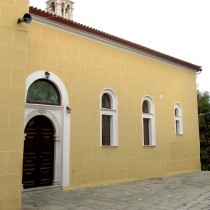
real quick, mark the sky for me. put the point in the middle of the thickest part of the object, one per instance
(179, 28)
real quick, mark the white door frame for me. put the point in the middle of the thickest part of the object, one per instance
(60, 119)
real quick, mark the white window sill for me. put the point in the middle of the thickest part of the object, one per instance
(149, 145)
(108, 146)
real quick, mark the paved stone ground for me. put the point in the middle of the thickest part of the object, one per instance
(181, 192)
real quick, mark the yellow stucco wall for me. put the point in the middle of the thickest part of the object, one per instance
(86, 68)
(13, 42)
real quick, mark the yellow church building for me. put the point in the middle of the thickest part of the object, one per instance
(81, 107)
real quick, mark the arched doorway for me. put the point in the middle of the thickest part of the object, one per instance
(47, 96)
(38, 158)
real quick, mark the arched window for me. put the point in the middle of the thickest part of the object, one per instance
(108, 118)
(148, 121)
(62, 10)
(43, 92)
(67, 11)
(52, 6)
(178, 119)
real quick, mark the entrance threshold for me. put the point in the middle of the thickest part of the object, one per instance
(43, 188)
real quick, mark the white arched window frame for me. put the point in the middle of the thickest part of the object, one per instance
(148, 122)
(111, 115)
(178, 119)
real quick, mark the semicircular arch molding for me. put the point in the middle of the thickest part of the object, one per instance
(52, 78)
(49, 115)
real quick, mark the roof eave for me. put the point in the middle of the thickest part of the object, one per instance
(110, 37)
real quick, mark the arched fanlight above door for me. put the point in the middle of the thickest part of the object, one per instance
(43, 92)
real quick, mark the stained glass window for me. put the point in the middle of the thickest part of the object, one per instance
(43, 92)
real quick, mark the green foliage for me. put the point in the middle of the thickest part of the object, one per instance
(204, 128)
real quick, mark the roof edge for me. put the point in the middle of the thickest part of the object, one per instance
(110, 37)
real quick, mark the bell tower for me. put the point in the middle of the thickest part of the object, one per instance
(63, 8)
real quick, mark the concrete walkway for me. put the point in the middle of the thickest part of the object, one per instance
(181, 192)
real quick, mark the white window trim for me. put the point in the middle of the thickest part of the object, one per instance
(114, 118)
(178, 118)
(151, 116)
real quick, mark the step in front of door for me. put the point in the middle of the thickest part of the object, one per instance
(45, 188)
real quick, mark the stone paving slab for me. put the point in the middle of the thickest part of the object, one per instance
(181, 192)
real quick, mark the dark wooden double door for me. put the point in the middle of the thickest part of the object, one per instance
(38, 158)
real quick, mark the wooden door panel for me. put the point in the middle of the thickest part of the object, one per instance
(38, 159)
(47, 143)
(30, 144)
(46, 175)
(29, 177)
(30, 159)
